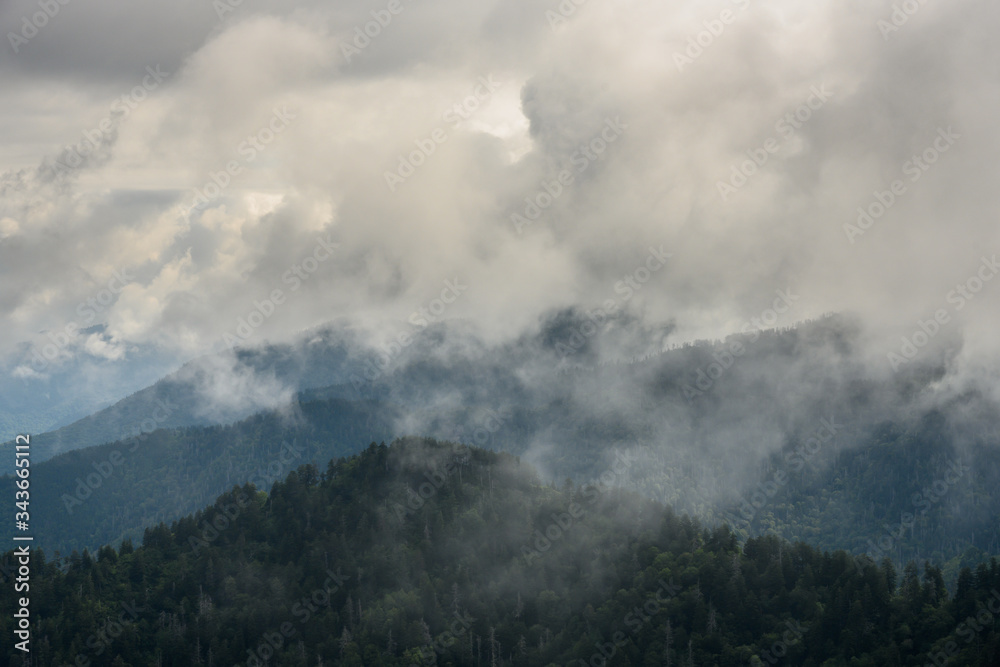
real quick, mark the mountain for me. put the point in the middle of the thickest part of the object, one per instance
(215, 389)
(738, 447)
(906, 493)
(432, 553)
(101, 495)
(47, 387)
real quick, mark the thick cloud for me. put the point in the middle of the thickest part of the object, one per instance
(289, 127)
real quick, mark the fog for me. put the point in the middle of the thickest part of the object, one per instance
(679, 168)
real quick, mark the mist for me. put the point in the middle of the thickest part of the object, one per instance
(526, 215)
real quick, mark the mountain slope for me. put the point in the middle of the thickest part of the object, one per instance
(423, 553)
(100, 495)
(706, 453)
(214, 389)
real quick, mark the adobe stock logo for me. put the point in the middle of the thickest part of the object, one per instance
(723, 359)
(587, 153)
(248, 149)
(575, 513)
(88, 311)
(786, 126)
(796, 460)
(566, 9)
(74, 156)
(408, 164)
(704, 39)
(779, 649)
(363, 35)
(923, 500)
(901, 14)
(627, 287)
(960, 296)
(915, 168)
(385, 354)
(38, 20)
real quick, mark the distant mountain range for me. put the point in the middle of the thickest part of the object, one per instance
(215, 389)
(786, 431)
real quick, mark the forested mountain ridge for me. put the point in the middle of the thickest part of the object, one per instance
(446, 366)
(907, 493)
(215, 389)
(101, 495)
(831, 499)
(432, 553)
(712, 450)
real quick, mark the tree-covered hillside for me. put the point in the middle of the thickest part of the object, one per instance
(424, 553)
(739, 446)
(214, 389)
(903, 493)
(101, 495)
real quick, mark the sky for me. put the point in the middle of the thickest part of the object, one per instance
(169, 171)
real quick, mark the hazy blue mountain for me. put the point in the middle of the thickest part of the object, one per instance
(214, 389)
(757, 430)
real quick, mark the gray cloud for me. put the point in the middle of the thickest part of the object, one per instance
(323, 176)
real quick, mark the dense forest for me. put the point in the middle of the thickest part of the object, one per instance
(429, 553)
(892, 492)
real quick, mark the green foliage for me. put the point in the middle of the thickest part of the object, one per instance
(903, 494)
(426, 553)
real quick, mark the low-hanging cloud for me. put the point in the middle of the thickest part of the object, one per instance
(887, 98)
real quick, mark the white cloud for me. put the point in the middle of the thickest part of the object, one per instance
(325, 173)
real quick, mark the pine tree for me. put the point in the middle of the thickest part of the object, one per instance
(345, 639)
(668, 642)
(390, 646)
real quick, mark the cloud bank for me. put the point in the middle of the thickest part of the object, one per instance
(840, 152)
